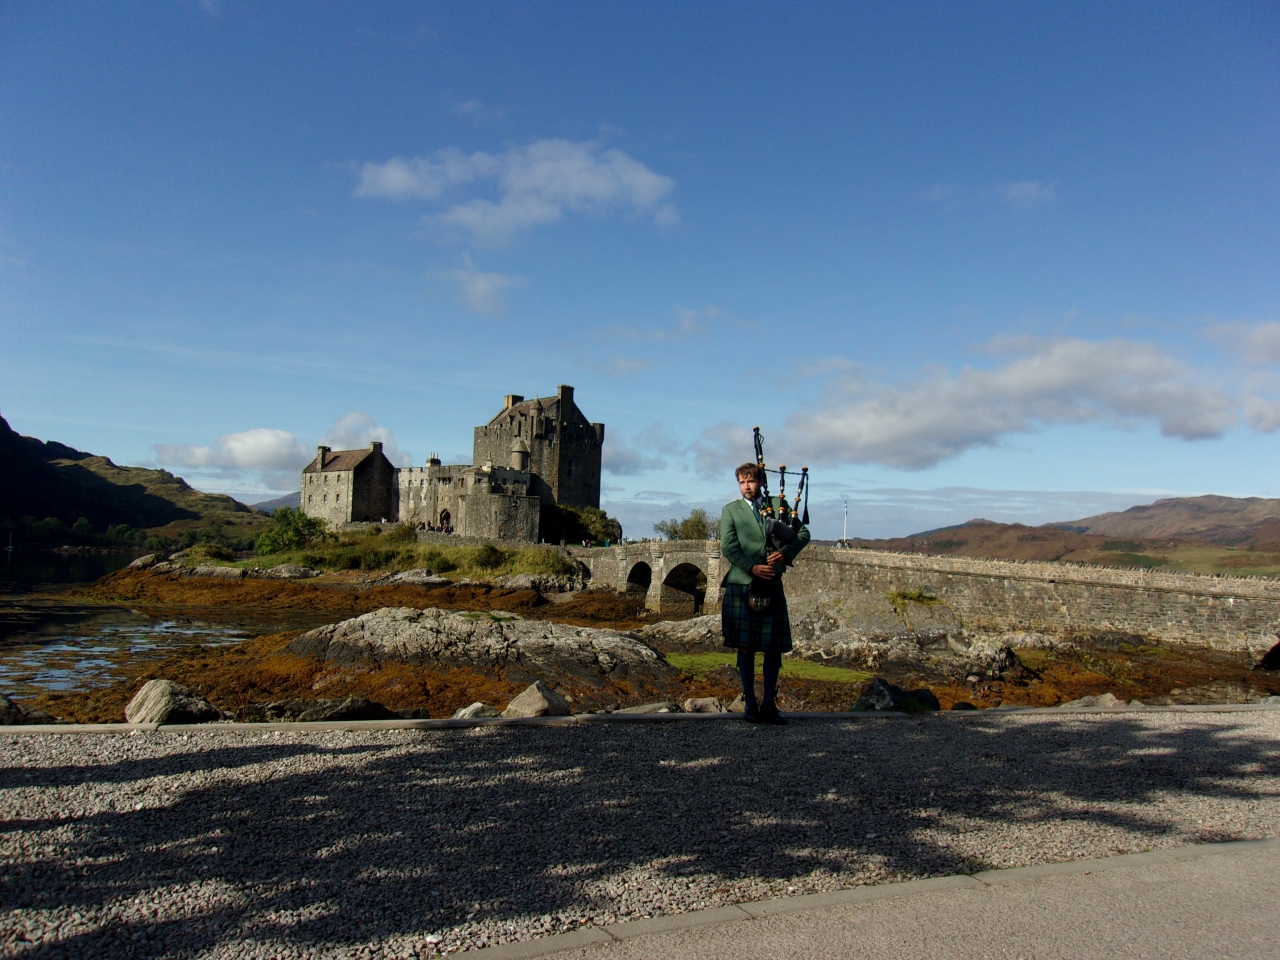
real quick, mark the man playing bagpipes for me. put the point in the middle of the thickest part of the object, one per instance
(760, 535)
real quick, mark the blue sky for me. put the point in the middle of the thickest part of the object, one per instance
(1008, 260)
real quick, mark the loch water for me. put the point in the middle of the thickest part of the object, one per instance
(50, 641)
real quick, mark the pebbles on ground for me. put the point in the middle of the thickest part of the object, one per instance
(412, 843)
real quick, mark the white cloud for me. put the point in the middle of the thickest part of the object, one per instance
(1256, 344)
(1262, 414)
(1027, 194)
(356, 430)
(258, 449)
(263, 460)
(482, 292)
(478, 111)
(653, 448)
(1060, 381)
(535, 184)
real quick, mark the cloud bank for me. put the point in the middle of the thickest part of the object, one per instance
(529, 186)
(264, 459)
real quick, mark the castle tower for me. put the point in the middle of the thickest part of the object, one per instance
(555, 441)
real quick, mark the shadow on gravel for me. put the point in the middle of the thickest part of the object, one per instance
(321, 845)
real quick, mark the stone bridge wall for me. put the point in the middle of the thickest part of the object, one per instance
(1225, 613)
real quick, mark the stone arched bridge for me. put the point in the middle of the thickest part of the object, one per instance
(1227, 613)
(675, 576)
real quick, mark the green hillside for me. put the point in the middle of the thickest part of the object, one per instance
(50, 492)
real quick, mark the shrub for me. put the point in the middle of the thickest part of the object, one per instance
(488, 557)
(204, 552)
(403, 533)
(290, 530)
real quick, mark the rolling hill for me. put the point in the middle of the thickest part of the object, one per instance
(51, 480)
(1229, 521)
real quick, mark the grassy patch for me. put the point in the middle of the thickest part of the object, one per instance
(700, 664)
(900, 599)
(398, 549)
(1131, 560)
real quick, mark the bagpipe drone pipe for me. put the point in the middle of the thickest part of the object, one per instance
(781, 524)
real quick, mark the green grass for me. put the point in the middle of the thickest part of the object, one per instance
(394, 551)
(700, 664)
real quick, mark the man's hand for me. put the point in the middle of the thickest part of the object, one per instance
(769, 569)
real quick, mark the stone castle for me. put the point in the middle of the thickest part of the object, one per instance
(533, 453)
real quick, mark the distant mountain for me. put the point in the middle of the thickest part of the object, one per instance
(41, 480)
(1224, 520)
(291, 500)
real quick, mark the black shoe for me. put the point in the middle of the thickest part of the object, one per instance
(751, 714)
(769, 714)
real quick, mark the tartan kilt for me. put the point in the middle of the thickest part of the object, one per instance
(743, 630)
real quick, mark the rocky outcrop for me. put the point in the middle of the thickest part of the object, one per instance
(418, 576)
(543, 583)
(315, 711)
(665, 706)
(880, 695)
(537, 700)
(516, 647)
(703, 705)
(144, 562)
(166, 702)
(476, 711)
(696, 635)
(14, 714)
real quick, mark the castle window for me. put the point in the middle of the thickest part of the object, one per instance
(310, 498)
(324, 498)
(570, 471)
(337, 498)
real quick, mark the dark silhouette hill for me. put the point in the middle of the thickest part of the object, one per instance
(49, 479)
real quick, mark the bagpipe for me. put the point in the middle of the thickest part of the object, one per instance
(783, 523)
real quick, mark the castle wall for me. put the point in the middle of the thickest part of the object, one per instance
(498, 516)
(373, 490)
(327, 496)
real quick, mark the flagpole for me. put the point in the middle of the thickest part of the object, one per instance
(846, 518)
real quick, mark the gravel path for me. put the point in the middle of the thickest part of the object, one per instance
(409, 843)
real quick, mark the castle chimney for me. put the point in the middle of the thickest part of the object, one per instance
(510, 400)
(376, 446)
(321, 453)
(565, 393)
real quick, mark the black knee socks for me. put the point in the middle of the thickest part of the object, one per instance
(747, 670)
(772, 664)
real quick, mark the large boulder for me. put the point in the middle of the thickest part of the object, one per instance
(882, 695)
(518, 649)
(1107, 701)
(218, 573)
(166, 702)
(315, 711)
(291, 571)
(537, 700)
(145, 561)
(542, 582)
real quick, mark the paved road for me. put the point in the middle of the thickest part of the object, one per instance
(1217, 900)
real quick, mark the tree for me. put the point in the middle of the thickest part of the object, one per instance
(575, 524)
(290, 530)
(698, 525)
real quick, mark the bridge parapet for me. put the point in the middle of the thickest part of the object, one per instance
(1227, 613)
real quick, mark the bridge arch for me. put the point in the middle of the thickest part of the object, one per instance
(639, 578)
(684, 589)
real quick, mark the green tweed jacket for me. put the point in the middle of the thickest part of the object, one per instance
(742, 540)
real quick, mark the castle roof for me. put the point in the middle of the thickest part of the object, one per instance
(549, 407)
(338, 460)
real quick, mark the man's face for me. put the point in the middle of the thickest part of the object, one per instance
(749, 486)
